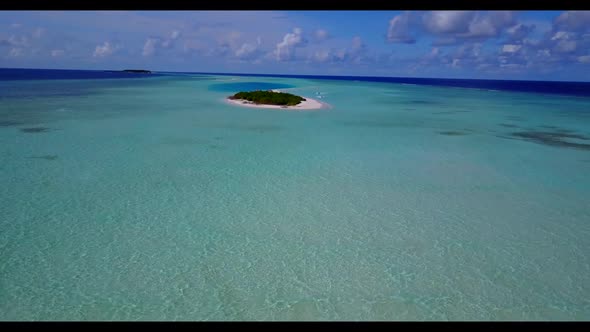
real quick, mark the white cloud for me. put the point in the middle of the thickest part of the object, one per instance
(15, 25)
(321, 34)
(519, 31)
(357, 43)
(452, 26)
(321, 55)
(399, 29)
(510, 48)
(574, 21)
(104, 50)
(247, 50)
(559, 35)
(230, 39)
(448, 21)
(285, 49)
(584, 59)
(149, 48)
(356, 53)
(57, 53)
(152, 44)
(169, 42)
(21, 41)
(15, 52)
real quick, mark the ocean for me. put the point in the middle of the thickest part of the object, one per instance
(148, 197)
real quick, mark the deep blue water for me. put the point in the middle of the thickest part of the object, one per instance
(544, 87)
(245, 86)
(15, 74)
(553, 87)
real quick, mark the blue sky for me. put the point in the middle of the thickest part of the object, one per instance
(537, 45)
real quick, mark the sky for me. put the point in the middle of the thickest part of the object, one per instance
(530, 45)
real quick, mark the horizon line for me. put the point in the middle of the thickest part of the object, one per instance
(304, 75)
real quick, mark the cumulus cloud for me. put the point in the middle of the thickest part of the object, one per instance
(357, 44)
(149, 47)
(321, 34)
(356, 53)
(286, 48)
(21, 41)
(249, 50)
(321, 55)
(399, 29)
(15, 52)
(511, 48)
(434, 52)
(456, 26)
(573, 21)
(104, 50)
(518, 32)
(446, 22)
(169, 42)
(153, 44)
(566, 40)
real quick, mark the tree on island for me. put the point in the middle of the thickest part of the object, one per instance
(269, 98)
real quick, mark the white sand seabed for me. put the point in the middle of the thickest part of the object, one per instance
(307, 104)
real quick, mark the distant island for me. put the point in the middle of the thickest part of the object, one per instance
(269, 98)
(135, 71)
(274, 99)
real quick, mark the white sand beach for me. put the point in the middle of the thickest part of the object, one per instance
(308, 104)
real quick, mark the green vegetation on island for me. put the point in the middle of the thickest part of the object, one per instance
(137, 71)
(269, 98)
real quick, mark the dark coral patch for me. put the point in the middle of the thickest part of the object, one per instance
(555, 138)
(35, 130)
(452, 133)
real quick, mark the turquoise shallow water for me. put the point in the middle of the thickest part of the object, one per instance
(153, 199)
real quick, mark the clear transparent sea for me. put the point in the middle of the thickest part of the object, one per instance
(153, 199)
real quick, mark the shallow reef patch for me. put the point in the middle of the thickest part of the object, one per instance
(35, 130)
(45, 157)
(183, 141)
(557, 138)
(515, 118)
(453, 133)
(450, 112)
(10, 123)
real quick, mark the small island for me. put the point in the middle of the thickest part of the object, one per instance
(274, 99)
(269, 98)
(132, 71)
(137, 71)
